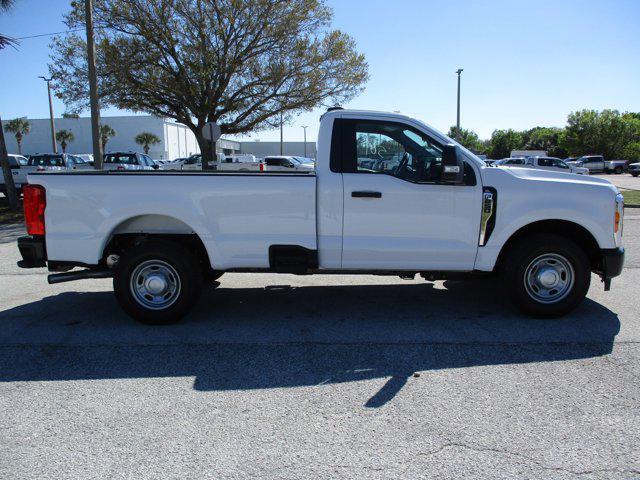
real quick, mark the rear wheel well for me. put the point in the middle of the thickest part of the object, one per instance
(124, 241)
(574, 232)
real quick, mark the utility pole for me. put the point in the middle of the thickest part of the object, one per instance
(53, 125)
(459, 71)
(305, 140)
(281, 137)
(93, 87)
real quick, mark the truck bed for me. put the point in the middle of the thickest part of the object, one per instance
(238, 216)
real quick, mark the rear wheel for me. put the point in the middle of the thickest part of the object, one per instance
(157, 282)
(635, 174)
(547, 275)
(618, 170)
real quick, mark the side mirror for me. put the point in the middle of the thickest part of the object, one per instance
(452, 166)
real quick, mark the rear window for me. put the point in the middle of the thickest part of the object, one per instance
(120, 159)
(13, 161)
(46, 161)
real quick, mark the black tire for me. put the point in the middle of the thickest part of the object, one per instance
(618, 170)
(635, 174)
(174, 266)
(540, 252)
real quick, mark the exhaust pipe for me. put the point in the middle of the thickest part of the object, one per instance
(81, 275)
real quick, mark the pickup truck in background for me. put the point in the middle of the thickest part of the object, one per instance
(286, 164)
(597, 164)
(240, 163)
(389, 195)
(543, 163)
(16, 162)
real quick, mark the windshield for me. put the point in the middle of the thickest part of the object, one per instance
(120, 158)
(46, 161)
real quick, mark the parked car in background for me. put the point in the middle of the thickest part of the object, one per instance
(87, 157)
(43, 162)
(286, 164)
(128, 161)
(597, 164)
(634, 169)
(19, 173)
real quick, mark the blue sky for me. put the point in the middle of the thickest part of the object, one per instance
(526, 63)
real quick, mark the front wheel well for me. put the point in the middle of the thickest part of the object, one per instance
(574, 232)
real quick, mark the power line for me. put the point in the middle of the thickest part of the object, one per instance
(50, 34)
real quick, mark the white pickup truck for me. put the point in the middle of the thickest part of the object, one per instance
(430, 208)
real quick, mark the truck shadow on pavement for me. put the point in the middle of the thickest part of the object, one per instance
(281, 336)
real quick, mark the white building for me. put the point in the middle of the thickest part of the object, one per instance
(176, 140)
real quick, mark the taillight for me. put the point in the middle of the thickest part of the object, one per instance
(120, 167)
(34, 204)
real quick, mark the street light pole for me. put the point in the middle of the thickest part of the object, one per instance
(53, 125)
(281, 136)
(93, 87)
(305, 140)
(459, 71)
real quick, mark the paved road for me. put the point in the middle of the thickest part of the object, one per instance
(319, 377)
(624, 180)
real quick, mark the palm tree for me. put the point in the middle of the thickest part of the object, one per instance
(5, 5)
(19, 127)
(145, 139)
(106, 132)
(65, 137)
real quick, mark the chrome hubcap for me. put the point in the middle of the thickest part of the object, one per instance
(549, 278)
(155, 284)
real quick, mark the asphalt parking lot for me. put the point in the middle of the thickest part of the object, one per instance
(280, 376)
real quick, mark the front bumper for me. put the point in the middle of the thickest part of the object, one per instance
(33, 251)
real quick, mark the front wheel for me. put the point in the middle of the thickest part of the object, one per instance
(547, 275)
(635, 174)
(618, 170)
(157, 282)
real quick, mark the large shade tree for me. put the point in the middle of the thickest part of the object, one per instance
(240, 63)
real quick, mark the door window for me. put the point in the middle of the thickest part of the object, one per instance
(395, 149)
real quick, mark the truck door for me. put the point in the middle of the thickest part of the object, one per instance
(397, 213)
(594, 164)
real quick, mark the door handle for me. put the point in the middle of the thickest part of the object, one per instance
(366, 194)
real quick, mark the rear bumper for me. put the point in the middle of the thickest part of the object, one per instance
(612, 262)
(33, 251)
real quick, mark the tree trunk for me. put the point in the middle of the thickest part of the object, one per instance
(64, 147)
(207, 149)
(146, 149)
(6, 172)
(19, 142)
